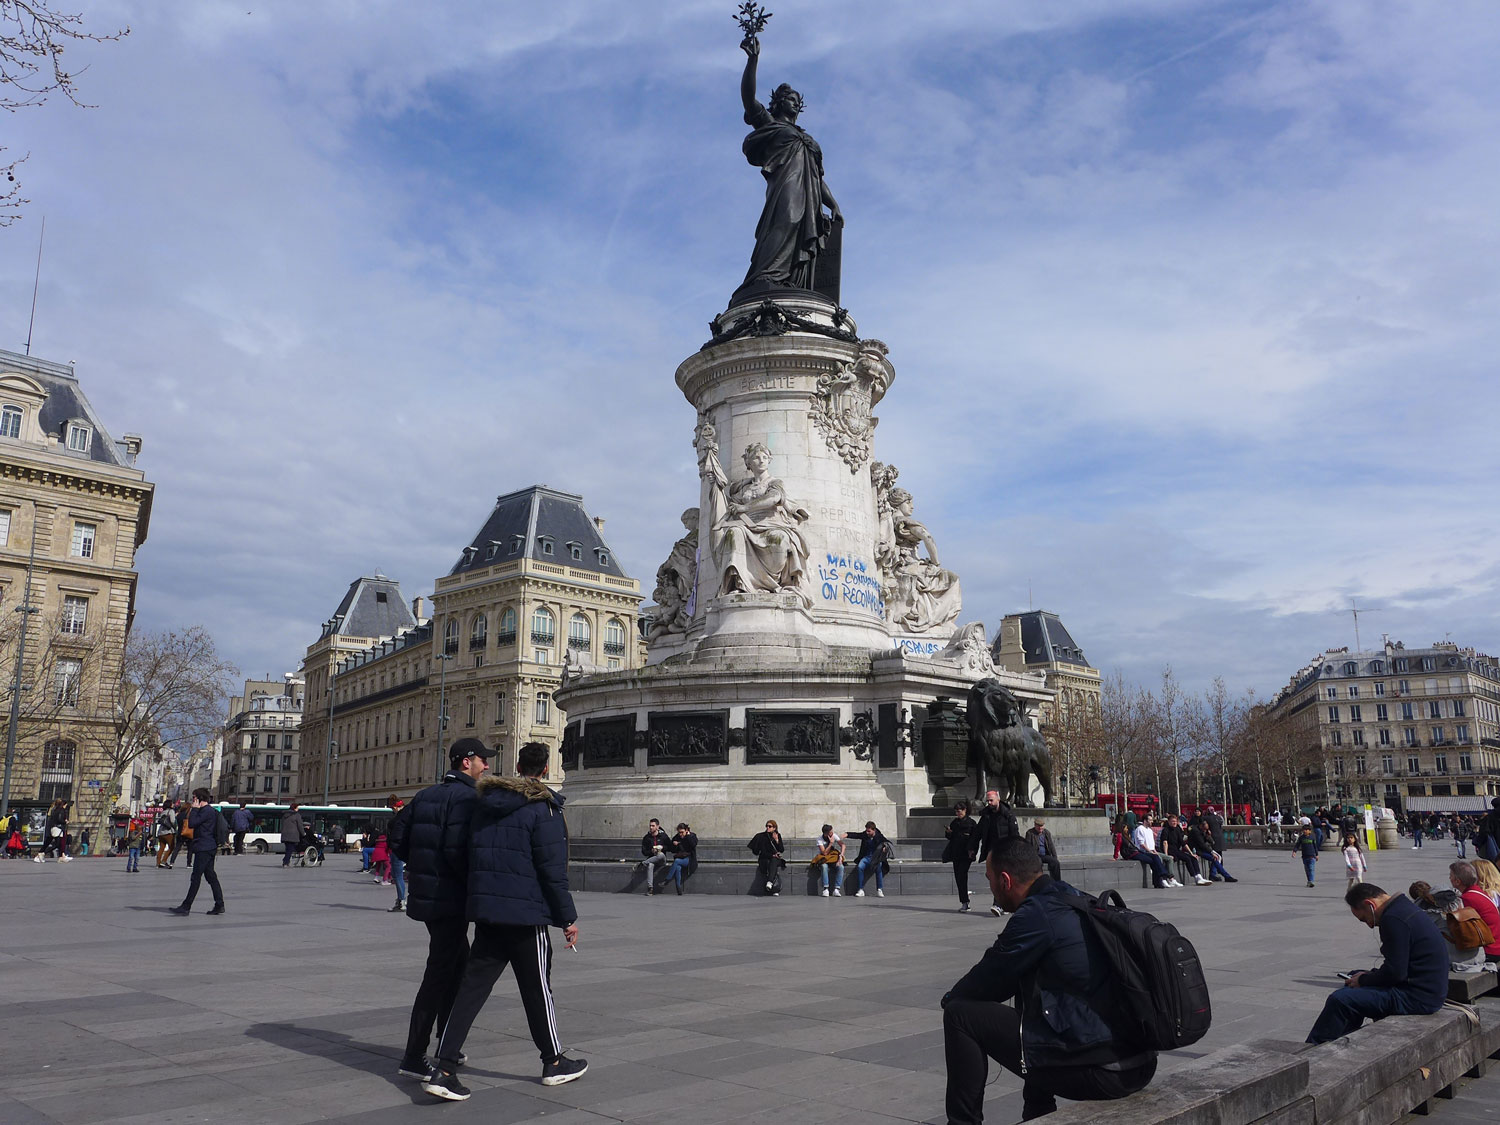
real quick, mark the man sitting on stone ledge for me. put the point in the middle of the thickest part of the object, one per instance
(1412, 981)
(1057, 1038)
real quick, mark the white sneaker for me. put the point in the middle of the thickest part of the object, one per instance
(879, 893)
(825, 892)
(39, 859)
(859, 893)
(837, 893)
(997, 912)
(64, 859)
(768, 886)
(1201, 881)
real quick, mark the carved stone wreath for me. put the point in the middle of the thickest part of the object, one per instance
(770, 319)
(841, 410)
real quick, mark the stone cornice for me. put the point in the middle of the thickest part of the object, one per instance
(72, 479)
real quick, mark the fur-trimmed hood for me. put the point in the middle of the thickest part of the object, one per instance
(507, 794)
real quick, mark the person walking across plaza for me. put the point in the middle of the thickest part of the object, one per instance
(398, 865)
(960, 848)
(1057, 1038)
(209, 829)
(767, 847)
(179, 841)
(1411, 981)
(1306, 847)
(166, 833)
(432, 835)
(240, 823)
(291, 833)
(133, 836)
(517, 888)
(996, 825)
(1487, 833)
(1354, 860)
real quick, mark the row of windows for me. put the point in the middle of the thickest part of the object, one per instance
(543, 631)
(286, 762)
(1413, 764)
(1399, 664)
(79, 437)
(80, 547)
(252, 742)
(544, 545)
(267, 785)
(1403, 687)
(1436, 709)
(1461, 733)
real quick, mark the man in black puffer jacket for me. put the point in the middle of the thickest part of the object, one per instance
(431, 835)
(1058, 1037)
(518, 886)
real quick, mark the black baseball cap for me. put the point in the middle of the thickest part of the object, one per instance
(467, 748)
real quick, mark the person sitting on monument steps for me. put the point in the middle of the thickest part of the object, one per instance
(996, 825)
(1174, 842)
(1140, 845)
(1046, 848)
(656, 846)
(1200, 838)
(1057, 1038)
(767, 848)
(1412, 980)
(830, 860)
(1463, 879)
(684, 855)
(874, 851)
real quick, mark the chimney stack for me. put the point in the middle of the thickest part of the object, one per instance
(417, 606)
(599, 523)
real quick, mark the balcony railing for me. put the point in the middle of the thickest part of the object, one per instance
(614, 648)
(543, 638)
(476, 643)
(504, 639)
(578, 642)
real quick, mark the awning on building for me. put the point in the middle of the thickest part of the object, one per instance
(1477, 805)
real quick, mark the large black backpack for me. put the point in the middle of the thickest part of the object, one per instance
(1158, 978)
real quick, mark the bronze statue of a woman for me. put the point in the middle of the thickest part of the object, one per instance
(793, 230)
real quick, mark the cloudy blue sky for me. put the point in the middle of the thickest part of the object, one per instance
(1193, 305)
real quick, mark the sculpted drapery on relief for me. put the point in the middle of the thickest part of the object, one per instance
(846, 396)
(676, 583)
(754, 536)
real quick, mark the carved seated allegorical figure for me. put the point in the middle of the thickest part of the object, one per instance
(757, 544)
(676, 581)
(923, 596)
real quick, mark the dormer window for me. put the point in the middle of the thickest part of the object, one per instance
(575, 552)
(489, 552)
(516, 543)
(603, 556)
(546, 544)
(10, 421)
(79, 437)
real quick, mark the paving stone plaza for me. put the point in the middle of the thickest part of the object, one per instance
(699, 1009)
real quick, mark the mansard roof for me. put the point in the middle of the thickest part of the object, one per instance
(373, 607)
(65, 402)
(541, 524)
(1046, 640)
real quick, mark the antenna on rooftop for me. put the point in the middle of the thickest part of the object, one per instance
(1356, 611)
(1028, 594)
(36, 283)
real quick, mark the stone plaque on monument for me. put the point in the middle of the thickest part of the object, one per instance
(687, 738)
(609, 742)
(569, 750)
(791, 736)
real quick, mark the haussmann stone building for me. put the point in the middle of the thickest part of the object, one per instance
(73, 495)
(536, 595)
(1412, 729)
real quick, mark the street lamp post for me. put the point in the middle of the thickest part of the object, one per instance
(443, 658)
(25, 609)
(329, 744)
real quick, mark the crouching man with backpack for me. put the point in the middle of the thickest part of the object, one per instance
(1059, 1036)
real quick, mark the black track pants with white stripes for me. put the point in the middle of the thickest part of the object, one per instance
(528, 950)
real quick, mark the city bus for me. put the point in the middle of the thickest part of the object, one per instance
(265, 832)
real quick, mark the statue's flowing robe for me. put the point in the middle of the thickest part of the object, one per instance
(765, 552)
(789, 234)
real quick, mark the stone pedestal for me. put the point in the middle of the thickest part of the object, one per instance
(777, 687)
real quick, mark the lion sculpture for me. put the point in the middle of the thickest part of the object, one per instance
(1003, 745)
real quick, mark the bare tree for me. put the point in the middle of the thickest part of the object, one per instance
(170, 691)
(1126, 731)
(33, 37)
(1172, 731)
